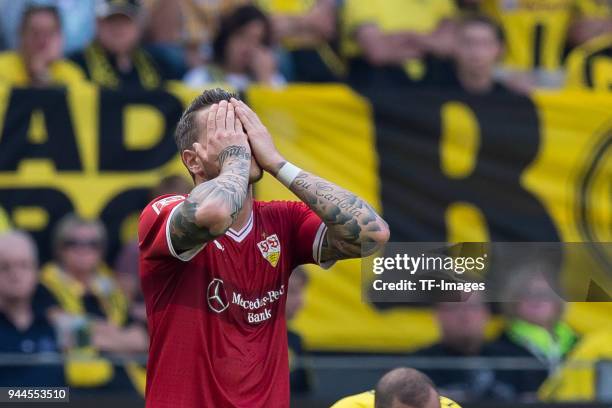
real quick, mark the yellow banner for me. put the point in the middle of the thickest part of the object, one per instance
(98, 152)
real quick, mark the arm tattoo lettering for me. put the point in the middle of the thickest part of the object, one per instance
(351, 222)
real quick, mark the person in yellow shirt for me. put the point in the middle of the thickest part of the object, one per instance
(38, 62)
(306, 29)
(389, 41)
(537, 33)
(399, 388)
(93, 312)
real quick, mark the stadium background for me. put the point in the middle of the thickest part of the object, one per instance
(442, 165)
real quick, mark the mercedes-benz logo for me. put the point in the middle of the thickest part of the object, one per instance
(216, 296)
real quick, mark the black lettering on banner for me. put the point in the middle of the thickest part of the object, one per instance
(59, 144)
(113, 154)
(53, 202)
(416, 193)
(124, 204)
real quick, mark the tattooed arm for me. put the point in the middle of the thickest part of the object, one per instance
(354, 229)
(212, 206)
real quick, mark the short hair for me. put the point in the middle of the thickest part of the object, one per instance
(72, 221)
(186, 133)
(407, 385)
(475, 18)
(235, 21)
(171, 184)
(300, 273)
(20, 235)
(32, 9)
(523, 274)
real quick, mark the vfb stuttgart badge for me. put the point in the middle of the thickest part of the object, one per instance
(270, 248)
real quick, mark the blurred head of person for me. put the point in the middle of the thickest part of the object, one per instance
(18, 267)
(41, 39)
(79, 246)
(479, 46)
(534, 296)
(191, 128)
(118, 25)
(406, 388)
(295, 292)
(172, 184)
(463, 324)
(242, 36)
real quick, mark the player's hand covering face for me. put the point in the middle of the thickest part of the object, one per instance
(262, 146)
(223, 130)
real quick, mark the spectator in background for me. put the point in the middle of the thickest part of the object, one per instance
(242, 52)
(589, 66)
(534, 328)
(93, 313)
(462, 328)
(390, 42)
(24, 324)
(479, 46)
(126, 264)
(38, 61)
(192, 24)
(78, 21)
(116, 59)
(307, 30)
(84, 287)
(299, 377)
(536, 35)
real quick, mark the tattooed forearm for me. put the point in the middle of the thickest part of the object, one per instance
(213, 205)
(354, 228)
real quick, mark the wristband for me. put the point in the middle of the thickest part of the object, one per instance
(287, 174)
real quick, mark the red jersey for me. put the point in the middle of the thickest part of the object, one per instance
(216, 313)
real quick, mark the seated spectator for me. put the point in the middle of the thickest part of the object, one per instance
(38, 61)
(299, 376)
(479, 45)
(534, 328)
(536, 34)
(24, 324)
(242, 53)
(186, 27)
(462, 330)
(126, 265)
(93, 315)
(116, 59)
(78, 20)
(589, 66)
(307, 30)
(390, 42)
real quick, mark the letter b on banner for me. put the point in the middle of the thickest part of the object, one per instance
(455, 157)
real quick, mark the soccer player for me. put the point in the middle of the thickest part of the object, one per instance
(399, 388)
(214, 264)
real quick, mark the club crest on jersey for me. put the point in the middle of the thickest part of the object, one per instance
(159, 205)
(270, 249)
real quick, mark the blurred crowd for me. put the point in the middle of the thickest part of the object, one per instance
(92, 313)
(92, 317)
(478, 46)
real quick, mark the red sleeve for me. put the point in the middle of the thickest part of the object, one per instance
(154, 232)
(308, 235)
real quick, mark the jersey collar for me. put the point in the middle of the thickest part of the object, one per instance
(239, 236)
